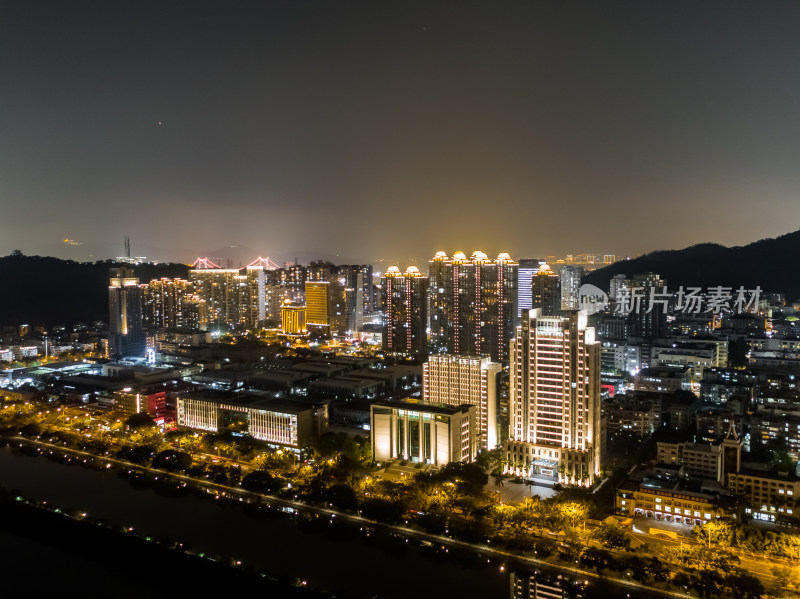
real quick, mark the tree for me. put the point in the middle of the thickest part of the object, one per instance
(172, 460)
(611, 537)
(743, 585)
(343, 497)
(714, 531)
(140, 421)
(141, 454)
(259, 481)
(574, 512)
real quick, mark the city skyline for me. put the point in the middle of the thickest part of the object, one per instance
(291, 128)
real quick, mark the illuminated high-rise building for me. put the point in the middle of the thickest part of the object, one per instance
(473, 304)
(405, 297)
(546, 291)
(235, 298)
(256, 309)
(437, 301)
(292, 279)
(317, 316)
(570, 283)
(172, 304)
(554, 403)
(125, 328)
(527, 268)
(359, 278)
(458, 380)
(222, 290)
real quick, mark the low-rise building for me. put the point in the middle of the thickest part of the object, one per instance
(663, 378)
(280, 422)
(344, 387)
(700, 460)
(770, 497)
(777, 423)
(433, 434)
(637, 415)
(670, 504)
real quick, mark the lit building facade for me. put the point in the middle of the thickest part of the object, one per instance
(473, 304)
(554, 403)
(570, 283)
(317, 317)
(126, 328)
(293, 319)
(220, 288)
(286, 423)
(405, 297)
(527, 268)
(172, 304)
(423, 433)
(459, 380)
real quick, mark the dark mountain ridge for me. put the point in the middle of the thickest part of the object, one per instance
(773, 264)
(41, 290)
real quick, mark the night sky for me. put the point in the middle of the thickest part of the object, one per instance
(389, 130)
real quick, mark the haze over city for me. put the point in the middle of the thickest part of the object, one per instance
(375, 131)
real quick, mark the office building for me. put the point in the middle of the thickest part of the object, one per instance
(425, 433)
(279, 422)
(317, 318)
(458, 380)
(125, 327)
(405, 297)
(473, 302)
(554, 403)
(293, 319)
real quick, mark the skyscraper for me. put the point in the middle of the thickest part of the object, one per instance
(255, 312)
(317, 316)
(554, 404)
(172, 304)
(437, 302)
(570, 283)
(359, 278)
(125, 329)
(646, 322)
(546, 291)
(222, 290)
(473, 304)
(405, 297)
(527, 268)
(458, 380)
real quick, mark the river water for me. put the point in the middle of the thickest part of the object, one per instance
(326, 557)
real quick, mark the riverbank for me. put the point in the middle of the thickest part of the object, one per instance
(442, 546)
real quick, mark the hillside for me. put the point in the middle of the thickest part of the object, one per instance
(774, 264)
(42, 290)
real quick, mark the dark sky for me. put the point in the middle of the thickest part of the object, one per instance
(389, 130)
